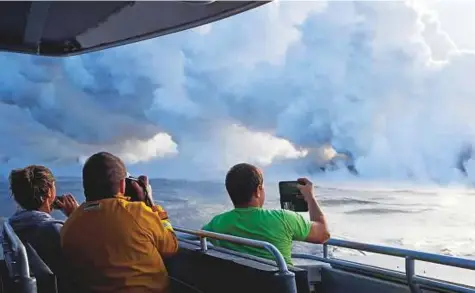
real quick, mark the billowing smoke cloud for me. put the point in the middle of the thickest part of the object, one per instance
(382, 80)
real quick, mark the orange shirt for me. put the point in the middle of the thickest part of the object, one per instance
(114, 245)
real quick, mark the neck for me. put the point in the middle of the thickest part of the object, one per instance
(94, 198)
(248, 205)
(45, 208)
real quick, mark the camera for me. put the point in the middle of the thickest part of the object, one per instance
(131, 192)
(291, 198)
(55, 205)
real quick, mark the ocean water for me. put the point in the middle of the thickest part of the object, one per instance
(438, 220)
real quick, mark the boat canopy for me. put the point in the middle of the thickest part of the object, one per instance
(65, 28)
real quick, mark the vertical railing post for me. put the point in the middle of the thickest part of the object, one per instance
(203, 244)
(325, 250)
(410, 273)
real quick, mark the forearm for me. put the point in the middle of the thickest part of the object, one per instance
(316, 213)
(319, 232)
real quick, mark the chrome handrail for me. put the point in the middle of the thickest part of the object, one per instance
(409, 255)
(281, 264)
(400, 252)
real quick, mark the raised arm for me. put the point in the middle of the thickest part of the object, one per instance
(319, 232)
(156, 222)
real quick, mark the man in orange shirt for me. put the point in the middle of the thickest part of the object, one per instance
(112, 244)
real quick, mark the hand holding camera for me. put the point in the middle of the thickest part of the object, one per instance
(305, 187)
(295, 195)
(66, 203)
(139, 189)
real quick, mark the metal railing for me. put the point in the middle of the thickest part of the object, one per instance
(203, 235)
(410, 257)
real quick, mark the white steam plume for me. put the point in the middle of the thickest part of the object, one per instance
(383, 80)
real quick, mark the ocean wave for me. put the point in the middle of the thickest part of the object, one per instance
(381, 211)
(346, 201)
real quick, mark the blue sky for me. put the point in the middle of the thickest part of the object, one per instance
(389, 81)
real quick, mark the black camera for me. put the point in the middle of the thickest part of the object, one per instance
(131, 192)
(291, 198)
(55, 205)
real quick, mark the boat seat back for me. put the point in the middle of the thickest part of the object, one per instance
(18, 279)
(217, 271)
(4, 278)
(45, 278)
(25, 272)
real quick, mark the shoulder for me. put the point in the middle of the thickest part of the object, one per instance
(224, 215)
(135, 208)
(142, 215)
(53, 226)
(289, 218)
(278, 213)
(216, 219)
(47, 233)
(290, 214)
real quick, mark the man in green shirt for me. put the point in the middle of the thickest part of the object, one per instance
(244, 183)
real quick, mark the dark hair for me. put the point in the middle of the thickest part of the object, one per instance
(29, 186)
(242, 181)
(101, 176)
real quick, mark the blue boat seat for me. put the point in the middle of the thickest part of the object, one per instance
(219, 270)
(23, 270)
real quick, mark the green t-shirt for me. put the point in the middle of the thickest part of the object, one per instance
(278, 227)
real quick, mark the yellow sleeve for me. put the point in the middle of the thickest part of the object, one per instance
(163, 217)
(156, 224)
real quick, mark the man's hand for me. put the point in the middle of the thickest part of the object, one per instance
(306, 188)
(67, 204)
(147, 198)
(138, 189)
